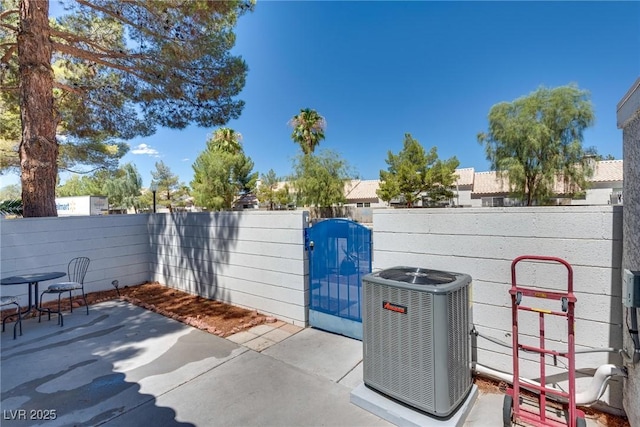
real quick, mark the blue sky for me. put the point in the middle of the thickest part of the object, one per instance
(378, 70)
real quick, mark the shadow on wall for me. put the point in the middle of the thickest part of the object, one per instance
(192, 251)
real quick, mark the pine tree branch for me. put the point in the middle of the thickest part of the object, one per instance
(67, 88)
(8, 27)
(8, 12)
(91, 56)
(75, 38)
(121, 18)
(12, 47)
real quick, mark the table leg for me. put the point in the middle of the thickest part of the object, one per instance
(38, 303)
(30, 306)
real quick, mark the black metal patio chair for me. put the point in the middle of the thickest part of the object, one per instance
(76, 270)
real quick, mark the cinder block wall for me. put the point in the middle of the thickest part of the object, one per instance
(117, 245)
(250, 259)
(483, 243)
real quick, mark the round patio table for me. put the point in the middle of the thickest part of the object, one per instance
(32, 279)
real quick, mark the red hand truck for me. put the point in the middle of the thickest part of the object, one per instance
(513, 410)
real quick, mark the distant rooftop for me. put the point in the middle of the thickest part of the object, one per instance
(608, 170)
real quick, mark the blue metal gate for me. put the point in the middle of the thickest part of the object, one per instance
(339, 255)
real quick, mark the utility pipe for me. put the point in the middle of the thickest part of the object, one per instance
(594, 391)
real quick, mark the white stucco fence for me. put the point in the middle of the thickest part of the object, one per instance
(257, 260)
(483, 243)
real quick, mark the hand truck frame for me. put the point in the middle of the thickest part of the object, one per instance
(513, 409)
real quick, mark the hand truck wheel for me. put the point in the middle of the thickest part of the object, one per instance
(507, 410)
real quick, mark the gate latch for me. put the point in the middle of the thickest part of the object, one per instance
(308, 244)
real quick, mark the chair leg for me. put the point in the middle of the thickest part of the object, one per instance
(84, 297)
(71, 301)
(5, 318)
(40, 309)
(60, 321)
(18, 322)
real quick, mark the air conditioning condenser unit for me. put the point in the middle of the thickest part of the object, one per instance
(416, 337)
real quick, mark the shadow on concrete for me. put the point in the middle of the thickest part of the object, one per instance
(82, 374)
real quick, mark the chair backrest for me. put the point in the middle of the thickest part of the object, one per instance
(77, 269)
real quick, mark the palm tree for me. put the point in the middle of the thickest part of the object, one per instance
(226, 139)
(308, 129)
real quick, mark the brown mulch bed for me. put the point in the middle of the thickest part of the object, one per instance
(212, 316)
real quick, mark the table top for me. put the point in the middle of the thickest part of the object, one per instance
(32, 278)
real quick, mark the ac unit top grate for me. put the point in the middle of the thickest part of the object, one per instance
(418, 276)
(420, 279)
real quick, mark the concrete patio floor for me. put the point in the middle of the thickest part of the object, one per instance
(125, 366)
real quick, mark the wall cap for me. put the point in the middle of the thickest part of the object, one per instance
(629, 105)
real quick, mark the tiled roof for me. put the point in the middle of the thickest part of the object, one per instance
(608, 170)
(361, 189)
(482, 182)
(465, 176)
(489, 183)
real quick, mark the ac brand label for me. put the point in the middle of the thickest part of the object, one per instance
(394, 307)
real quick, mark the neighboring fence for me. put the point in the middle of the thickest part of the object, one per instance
(483, 242)
(362, 215)
(251, 259)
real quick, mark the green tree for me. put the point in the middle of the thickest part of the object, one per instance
(110, 70)
(319, 179)
(227, 139)
(124, 188)
(413, 173)
(221, 176)
(10, 192)
(269, 193)
(169, 187)
(266, 191)
(85, 185)
(536, 140)
(308, 129)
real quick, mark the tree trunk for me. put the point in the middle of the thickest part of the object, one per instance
(38, 148)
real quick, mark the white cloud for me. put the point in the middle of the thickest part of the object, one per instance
(145, 149)
(186, 159)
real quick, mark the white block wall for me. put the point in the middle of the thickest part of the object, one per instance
(117, 245)
(483, 242)
(249, 259)
(254, 260)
